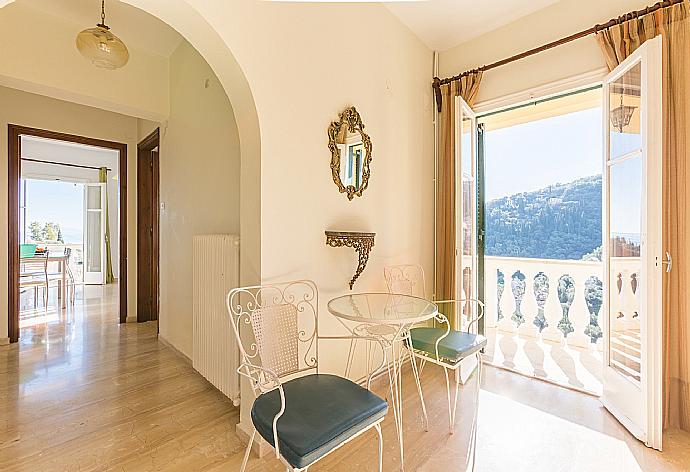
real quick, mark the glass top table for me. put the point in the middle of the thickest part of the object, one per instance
(382, 308)
(387, 318)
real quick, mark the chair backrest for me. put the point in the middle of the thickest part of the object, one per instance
(406, 279)
(284, 327)
(34, 266)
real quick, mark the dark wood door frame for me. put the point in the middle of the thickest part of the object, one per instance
(148, 227)
(14, 167)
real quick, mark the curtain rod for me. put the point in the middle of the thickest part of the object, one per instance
(593, 30)
(65, 164)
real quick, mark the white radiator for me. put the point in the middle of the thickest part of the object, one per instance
(216, 261)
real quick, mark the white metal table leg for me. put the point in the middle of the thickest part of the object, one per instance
(415, 372)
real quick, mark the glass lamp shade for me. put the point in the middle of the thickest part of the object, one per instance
(102, 48)
(621, 116)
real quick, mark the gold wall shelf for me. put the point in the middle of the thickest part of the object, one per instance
(360, 242)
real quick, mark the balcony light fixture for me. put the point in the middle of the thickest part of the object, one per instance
(621, 115)
(101, 47)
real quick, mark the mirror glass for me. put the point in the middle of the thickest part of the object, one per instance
(350, 153)
(351, 158)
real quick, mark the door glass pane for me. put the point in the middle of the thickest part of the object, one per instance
(93, 197)
(625, 235)
(466, 131)
(624, 115)
(93, 240)
(467, 250)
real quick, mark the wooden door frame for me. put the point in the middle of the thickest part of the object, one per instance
(148, 144)
(14, 166)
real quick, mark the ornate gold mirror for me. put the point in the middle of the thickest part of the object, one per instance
(350, 153)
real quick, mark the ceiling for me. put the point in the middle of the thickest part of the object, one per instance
(440, 24)
(136, 28)
(443, 24)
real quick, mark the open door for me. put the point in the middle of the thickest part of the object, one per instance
(94, 234)
(632, 248)
(466, 222)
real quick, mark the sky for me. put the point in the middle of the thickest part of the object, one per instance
(58, 202)
(540, 153)
(561, 149)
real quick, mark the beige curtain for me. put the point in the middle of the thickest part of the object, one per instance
(467, 88)
(109, 277)
(617, 43)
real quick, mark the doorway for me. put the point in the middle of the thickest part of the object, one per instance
(542, 214)
(16, 134)
(148, 216)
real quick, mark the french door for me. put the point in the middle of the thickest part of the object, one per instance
(94, 233)
(466, 264)
(632, 249)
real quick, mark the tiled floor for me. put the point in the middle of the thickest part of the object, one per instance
(93, 395)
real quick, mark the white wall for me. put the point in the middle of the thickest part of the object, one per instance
(26, 109)
(561, 19)
(47, 150)
(200, 183)
(302, 73)
(288, 73)
(38, 55)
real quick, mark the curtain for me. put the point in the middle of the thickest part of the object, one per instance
(467, 88)
(109, 277)
(616, 44)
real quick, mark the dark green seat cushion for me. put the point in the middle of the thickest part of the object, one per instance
(454, 347)
(321, 412)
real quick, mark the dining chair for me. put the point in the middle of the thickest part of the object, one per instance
(70, 275)
(33, 274)
(303, 414)
(439, 344)
(70, 282)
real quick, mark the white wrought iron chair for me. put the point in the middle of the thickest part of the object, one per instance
(439, 344)
(302, 414)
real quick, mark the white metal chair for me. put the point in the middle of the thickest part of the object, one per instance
(302, 414)
(440, 345)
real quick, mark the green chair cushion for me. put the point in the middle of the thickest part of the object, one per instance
(454, 347)
(321, 412)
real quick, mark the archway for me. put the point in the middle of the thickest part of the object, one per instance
(185, 19)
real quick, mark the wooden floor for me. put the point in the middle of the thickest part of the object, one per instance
(93, 395)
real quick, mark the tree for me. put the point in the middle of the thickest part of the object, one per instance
(35, 230)
(50, 232)
(594, 256)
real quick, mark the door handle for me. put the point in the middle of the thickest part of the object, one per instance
(668, 262)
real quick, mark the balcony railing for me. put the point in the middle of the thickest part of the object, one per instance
(554, 300)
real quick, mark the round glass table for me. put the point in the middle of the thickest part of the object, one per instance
(382, 308)
(385, 318)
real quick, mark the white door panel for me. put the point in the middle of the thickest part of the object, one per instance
(632, 243)
(94, 234)
(466, 221)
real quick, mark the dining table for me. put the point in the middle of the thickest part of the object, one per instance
(61, 259)
(386, 318)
